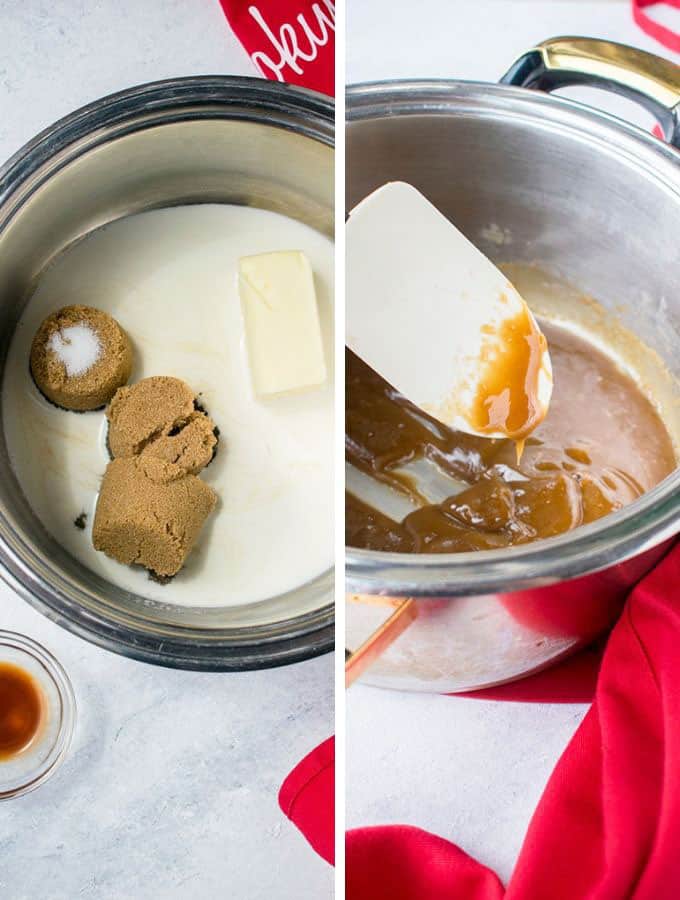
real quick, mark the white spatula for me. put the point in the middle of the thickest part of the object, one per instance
(432, 315)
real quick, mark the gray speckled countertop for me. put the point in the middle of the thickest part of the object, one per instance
(170, 788)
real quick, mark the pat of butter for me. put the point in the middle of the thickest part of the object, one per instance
(283, 334)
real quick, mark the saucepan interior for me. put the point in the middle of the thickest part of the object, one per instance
(190, 140)
(592, 202)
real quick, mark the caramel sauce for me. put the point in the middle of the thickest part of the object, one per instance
(506, 400)
(601, 445)
(21, 710)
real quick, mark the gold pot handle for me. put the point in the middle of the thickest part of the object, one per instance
(647, 79)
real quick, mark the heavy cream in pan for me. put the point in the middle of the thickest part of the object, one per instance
(170, 278)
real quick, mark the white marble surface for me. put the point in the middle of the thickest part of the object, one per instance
(56, 56)
(170, 790)
(469, 770)
(476, 39)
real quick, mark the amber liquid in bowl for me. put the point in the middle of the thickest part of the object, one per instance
(601, 446)
(22, 710)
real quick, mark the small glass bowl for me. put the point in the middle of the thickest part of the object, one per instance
(34, 765)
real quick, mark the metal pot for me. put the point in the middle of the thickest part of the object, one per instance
(587, 197)
(189, 140)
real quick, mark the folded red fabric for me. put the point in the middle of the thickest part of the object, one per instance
(307, 797)
(288, 40)
(405, 863)
(607, 825)
(660, 33)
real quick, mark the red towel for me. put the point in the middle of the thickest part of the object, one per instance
(608, 823)
(660, 33)
(288, 40)
(307, 797)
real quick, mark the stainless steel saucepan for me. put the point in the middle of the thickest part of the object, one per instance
(189, 140)
(589, 199)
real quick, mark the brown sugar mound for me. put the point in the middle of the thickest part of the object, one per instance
(191, 446)
(149, 513)
(158, 417)
(152, 505)
(94, 386)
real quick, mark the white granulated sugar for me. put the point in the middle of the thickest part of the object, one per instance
(77, 346)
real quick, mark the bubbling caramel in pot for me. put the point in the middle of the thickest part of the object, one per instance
(601, 445)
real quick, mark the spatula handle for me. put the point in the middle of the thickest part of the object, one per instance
(405, 611)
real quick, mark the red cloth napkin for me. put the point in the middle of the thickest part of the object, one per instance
(288, 40)
(307, 797)
(608, 824)
(660, 33)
